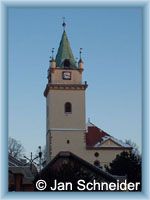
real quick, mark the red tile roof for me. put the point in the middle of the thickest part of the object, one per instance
(94, 135)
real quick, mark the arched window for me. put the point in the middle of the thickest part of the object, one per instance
(68, 107)
(68, 141)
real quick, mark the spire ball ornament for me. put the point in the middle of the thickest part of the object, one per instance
(64, 24)
(52, 53)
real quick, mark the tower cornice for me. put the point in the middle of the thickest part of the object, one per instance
(51, 86)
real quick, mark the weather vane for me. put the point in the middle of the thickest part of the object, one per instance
(64, 24)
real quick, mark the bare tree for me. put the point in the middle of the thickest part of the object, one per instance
(15, 148)
(135, 149)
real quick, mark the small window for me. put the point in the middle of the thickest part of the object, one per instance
(96, 154)
(68, 107)
(68, 141)
(96, 163)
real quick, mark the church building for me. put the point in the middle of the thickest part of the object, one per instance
(66, 127)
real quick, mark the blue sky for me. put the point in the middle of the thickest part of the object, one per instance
(111, 39)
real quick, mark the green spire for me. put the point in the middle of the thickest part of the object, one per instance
(64, 57)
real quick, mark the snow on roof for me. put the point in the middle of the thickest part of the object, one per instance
(89, 124)
(101, 136)
(97, 144)
(121, 143)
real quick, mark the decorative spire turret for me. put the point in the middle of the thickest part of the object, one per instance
(52, 63)
(80, 63)
(52, 54)
(80, 53)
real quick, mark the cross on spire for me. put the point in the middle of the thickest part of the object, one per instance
(64, 24)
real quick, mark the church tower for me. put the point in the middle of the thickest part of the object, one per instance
(65, 102)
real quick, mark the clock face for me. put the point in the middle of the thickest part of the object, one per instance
(66, 75)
